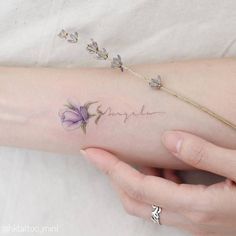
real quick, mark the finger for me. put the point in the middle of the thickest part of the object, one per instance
(150, 170)
(201, 154)
(144, 188)
(143, 210)
(230, 183)
(171, 175)
(226, 184)
(167, 173)
(132, 206)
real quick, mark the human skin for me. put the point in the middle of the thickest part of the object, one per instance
(32, 97)
(198, 209)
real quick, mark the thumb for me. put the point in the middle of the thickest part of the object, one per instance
(201, 154)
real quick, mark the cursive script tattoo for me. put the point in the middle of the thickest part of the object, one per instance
(128, 115)
(75, 116)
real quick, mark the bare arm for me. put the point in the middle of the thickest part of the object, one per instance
(136, 115)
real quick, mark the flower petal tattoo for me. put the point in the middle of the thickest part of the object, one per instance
(75, 116)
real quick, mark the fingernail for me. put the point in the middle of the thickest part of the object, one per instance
(172, 141)
(83, 152)
(95, 157)
(90, 157)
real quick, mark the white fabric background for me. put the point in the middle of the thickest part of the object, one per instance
(41, 189)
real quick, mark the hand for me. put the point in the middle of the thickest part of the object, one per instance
(199, 209)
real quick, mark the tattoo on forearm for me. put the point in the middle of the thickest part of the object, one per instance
(77, 116)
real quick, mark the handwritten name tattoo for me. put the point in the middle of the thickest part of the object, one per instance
(75, 116)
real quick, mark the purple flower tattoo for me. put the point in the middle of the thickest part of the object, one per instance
(77, 116)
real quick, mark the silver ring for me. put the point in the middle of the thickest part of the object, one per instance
(156, 213)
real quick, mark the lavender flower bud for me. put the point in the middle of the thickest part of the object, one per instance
(156, 83)
(63, 34)
(93, 49)
(117, 63)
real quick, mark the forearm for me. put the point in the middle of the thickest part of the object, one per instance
(32, 97)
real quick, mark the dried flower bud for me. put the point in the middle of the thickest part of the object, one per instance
(156, 83)
(73, 38)
(102, 54)
(117, 63)
(93, 49)
(63, 34)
